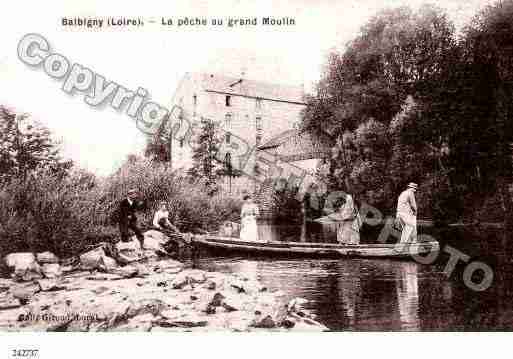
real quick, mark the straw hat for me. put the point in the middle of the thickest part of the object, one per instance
(412, 185)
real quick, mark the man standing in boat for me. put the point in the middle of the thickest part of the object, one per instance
(407, 213)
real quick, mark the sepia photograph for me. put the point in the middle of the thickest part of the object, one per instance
(241, 167)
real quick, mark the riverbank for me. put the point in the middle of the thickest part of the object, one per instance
(153, 295)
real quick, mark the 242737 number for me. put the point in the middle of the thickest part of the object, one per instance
(24, 353)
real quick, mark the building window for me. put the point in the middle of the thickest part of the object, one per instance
(228, 120)
(181, 142)
(258, 103)
(228, 101)
(228, 137)
(258, 123)
(195, 100)
(258, 139)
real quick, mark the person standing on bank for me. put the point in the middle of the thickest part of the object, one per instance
(248, 216)
(350, 222)
(407, 213)
(127, 218)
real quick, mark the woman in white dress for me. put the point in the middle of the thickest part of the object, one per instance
(248, 216)
(349, 227)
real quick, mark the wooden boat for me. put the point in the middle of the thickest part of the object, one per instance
(227, 245)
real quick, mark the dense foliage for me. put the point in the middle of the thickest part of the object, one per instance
(64, 215)
(27, 146)
(408, 100)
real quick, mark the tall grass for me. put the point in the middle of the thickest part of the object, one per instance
(66, 215)
(43, 212)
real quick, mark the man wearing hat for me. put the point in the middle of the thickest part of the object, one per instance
(127, 218)
(407, 213)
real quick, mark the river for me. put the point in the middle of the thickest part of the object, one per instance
(384, 295)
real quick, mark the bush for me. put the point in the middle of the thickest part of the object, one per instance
(44, 212)
(66, 215)
(189, 204)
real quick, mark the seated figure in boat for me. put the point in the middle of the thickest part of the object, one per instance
(248, 217)
(228, 229)
(161, 219)
(348, 231)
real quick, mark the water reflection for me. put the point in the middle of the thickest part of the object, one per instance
(346, 295)
(368, 294)
(408, 296)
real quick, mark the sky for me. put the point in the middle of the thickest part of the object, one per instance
(155, 57)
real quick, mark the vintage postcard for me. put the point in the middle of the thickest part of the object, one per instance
(237, 166)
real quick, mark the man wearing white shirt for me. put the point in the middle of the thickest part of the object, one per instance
(407, 213)
(161, 219)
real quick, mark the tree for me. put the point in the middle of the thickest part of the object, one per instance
(158, 146)
(399, 53)
(471, 108)
(205, 149)
(26, 146)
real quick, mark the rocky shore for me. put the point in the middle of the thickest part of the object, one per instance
(150, 293)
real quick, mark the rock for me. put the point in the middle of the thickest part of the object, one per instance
(100, 290)
(27, 275)
(154, 241)
(302, 318)
(217, 278)
(269, 312)
(51, 270)
(107, 263)
(140, 323)
(264, 321)
(92, 259)
(144, 306)
(195, 276)
(25, 292)
(20, 259)
(9, 303)
(24, 265)
(215, 301)
(288, 324)
(128, 271)
(142, 270)
(69, 268)
(202, 300)
(170, 266)
(156, 237)
(129, 252)
(296, 304)
(50, 285)
(211, 285)
(238, 286)
(231, 304)
(188, 277)
(247, 286)
(189, 320)
(305, 324)
(47, 257)
(150, 255)
(59, 326)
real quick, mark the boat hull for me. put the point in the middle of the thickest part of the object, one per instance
(324, 250)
